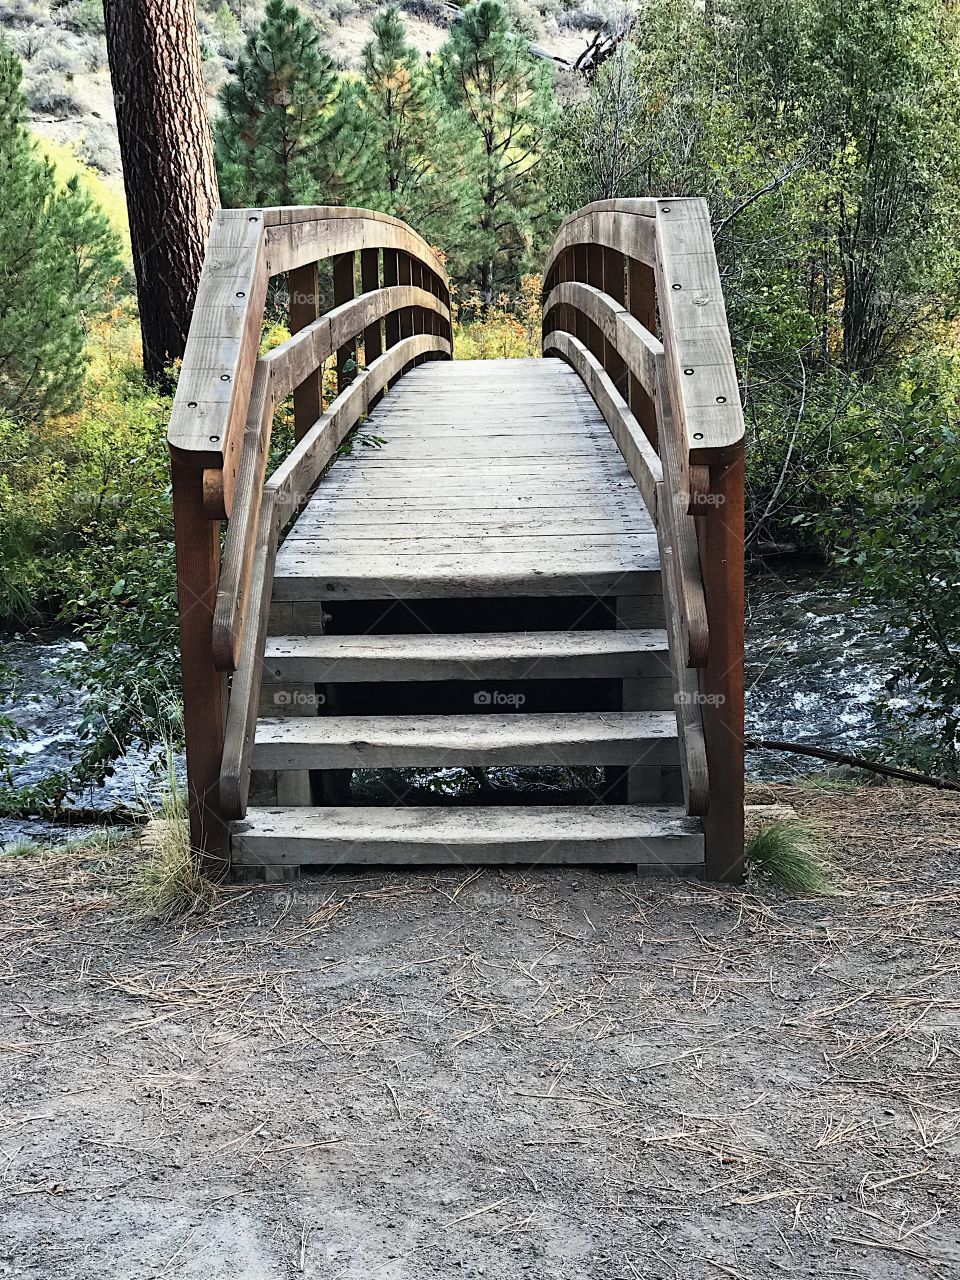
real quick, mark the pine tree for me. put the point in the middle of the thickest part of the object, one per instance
(487, 73)
(56, 253)
(422, 153)
(290, 131)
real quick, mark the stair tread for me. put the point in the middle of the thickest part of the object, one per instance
(563, 738)
(476, 656)
(650, 835)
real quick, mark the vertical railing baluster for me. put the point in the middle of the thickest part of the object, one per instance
(344, 288)
(304, 307)
(614, 284)
(641, 302)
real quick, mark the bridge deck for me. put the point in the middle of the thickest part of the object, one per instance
(473, 478)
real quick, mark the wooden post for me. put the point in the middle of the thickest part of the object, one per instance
(204, 688)
(405, 276)
(344, 288)
(614, 284)
(641, 302)
(595, 340)
(370, 283)
(722, 680)
(580, 272)
(304, 308)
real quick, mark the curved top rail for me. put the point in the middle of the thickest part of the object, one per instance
(292, 235)
(610, 223)
(245, 249)
(671, 235)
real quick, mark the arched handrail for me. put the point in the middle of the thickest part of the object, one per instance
(671, 399)
(220, 436)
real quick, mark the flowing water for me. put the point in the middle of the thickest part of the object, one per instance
(816, 668)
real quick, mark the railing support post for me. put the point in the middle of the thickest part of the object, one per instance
(642, 304)
(722, 681)
(614, 284)
(204, 688)
(344, 288)
(303, 288)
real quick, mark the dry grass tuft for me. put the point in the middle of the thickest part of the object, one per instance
(168, 884)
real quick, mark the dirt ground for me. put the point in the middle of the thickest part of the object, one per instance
(550, 1074)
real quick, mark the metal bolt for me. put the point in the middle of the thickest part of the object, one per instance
(224, 377)
(192, 404)
(214, 439)
(721, 399)
(241, 295)
(688, 372)
(698, 435)
(676, 286)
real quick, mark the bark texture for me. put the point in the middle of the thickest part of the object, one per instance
(168, 165)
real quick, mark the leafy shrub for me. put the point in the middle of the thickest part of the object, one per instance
(85, 501)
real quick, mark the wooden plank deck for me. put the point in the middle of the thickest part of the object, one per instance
(473, 478)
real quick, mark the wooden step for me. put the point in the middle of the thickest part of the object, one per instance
(654, 837)
(374, 742)
(535, 655)
(318, 575)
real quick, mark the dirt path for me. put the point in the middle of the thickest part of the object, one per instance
(512, 1075)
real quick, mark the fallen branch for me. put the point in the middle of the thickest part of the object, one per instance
(857, 762)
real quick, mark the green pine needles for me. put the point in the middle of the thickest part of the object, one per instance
(58, 255)
(453, 148)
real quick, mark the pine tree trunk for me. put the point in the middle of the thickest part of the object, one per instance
(168, 167)
(486, 283)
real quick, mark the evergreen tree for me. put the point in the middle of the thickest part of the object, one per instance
(422, 151)
(290, 130)
(56, 253)
(487, 73)
(277, 109)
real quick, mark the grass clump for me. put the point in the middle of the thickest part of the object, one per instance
(168, 884)
(21, 849)
(790, 854)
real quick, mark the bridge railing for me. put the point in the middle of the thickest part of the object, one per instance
(391, 298)
(670, 396)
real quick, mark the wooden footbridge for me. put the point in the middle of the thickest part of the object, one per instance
(508, 563)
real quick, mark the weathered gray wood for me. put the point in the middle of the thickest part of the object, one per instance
(639, 348)
(292, 361)
(609, 224)
(327, 230)
(295, 477)
(238, 550)
(699, 360)
(579, 738)
(655, 837)
(642, 462)
(316, 576)
(245, 690)
(214, 384)
(539, 655)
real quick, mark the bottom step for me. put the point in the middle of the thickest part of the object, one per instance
(654, 837)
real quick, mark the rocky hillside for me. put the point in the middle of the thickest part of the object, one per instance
(65, 61)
